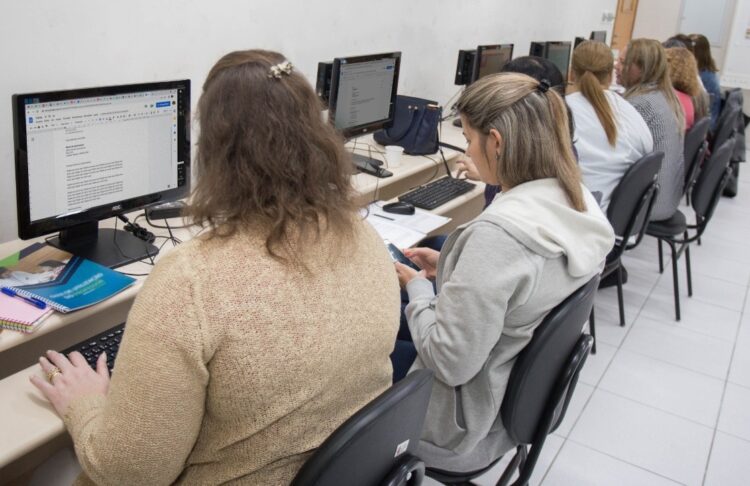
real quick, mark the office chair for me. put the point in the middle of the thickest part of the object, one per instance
(629, 212)
(540, 386)
(706, 193)
(376, 445)
(696, 147)
(734, 97)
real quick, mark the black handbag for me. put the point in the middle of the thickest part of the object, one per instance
(415, 127)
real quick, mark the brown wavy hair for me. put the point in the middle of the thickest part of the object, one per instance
(267, 159)
(683, 71)
(702, 51)
(533, 121)
(592, 66)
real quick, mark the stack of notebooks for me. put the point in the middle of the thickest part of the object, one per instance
(51, 279)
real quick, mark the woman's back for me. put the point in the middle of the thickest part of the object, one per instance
(668, 138)
(603, 165)
(246, 363)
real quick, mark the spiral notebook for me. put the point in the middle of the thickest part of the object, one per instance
(61, 280)
(17, 315)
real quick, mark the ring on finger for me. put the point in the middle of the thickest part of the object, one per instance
(51, 374)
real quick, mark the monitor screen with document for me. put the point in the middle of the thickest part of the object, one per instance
(363, 93)
(89, 154)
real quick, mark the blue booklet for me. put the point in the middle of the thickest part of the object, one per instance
(61, 280)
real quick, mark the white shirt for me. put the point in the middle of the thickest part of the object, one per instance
(602, 165)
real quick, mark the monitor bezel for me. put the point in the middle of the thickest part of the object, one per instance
(593, 34)
(32, 229)
(364, 128)
(480, 50)
(548, 44)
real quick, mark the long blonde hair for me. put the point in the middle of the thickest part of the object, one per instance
(533, 122)
(651, 58)
(592, 65)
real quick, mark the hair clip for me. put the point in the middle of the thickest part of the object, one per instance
(277, 70)
(543, 86)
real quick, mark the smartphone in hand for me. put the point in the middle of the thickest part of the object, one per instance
(398, 256)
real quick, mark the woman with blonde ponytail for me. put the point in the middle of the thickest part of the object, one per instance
(497, 276)
(610, 135)
(644, 73)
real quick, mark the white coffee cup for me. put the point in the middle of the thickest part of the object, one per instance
(393, 155)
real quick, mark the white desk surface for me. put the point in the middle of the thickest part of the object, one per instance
(28, 422)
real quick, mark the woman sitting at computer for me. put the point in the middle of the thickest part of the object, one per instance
(644, 72)
(248, 346)
(610, 135)
(497, 276)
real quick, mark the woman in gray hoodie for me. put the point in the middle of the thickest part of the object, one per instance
(500, 274)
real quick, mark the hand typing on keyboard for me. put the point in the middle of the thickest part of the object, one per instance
(69, 379)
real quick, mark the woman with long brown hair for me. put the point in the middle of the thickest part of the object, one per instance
(610, 135)
(246, 347)
(645, 74)
(707, 70)
(497, 276)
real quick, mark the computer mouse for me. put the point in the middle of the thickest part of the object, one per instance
(399, 207)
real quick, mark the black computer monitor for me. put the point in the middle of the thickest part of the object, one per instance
(599, 35)
(363, 93)
(85, 155)
(556, 52)
(578, 41)
(491, 60)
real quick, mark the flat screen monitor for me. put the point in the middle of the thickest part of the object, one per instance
(599, 35)
(537, 49)
(577, 42)
(559, 54)
(491, 59)
(85, 155)
(363, 93)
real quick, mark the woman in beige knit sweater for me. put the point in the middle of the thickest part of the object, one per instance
(248, 346)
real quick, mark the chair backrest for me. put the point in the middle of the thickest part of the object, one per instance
(695, 149)
(545, 372)
(726, 125)
(377, 442)
(632, 200)
(711, 182)
(735, 97)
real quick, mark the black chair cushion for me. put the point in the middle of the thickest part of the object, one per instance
(674, 226)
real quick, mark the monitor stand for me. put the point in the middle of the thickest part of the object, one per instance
(106, 246)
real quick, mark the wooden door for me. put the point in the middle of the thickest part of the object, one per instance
(624, 20)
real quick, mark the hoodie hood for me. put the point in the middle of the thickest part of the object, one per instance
(538, 214)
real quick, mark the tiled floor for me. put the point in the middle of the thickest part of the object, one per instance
(665, 402)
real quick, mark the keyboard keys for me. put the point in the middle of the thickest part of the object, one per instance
(106, 342)
(437, 192)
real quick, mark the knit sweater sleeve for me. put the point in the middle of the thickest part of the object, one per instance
(144, 430)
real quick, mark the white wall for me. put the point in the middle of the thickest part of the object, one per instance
(51, 45)
(657, 19)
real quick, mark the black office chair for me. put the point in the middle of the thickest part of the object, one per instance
(541, 384)
(705, 196)
(734, 97)
(696, 147)
(629, 212)
(376, 445)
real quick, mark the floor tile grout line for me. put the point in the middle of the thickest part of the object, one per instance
(677, 365)
(659, 320)
(724, 391)
(625, 462)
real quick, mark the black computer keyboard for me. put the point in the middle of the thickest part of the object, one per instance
(91, 348)
(437, 192)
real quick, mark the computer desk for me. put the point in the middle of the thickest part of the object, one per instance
(31, 431)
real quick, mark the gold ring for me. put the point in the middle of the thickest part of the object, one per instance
(51, 374)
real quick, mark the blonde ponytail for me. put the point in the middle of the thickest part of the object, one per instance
(592, 65)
